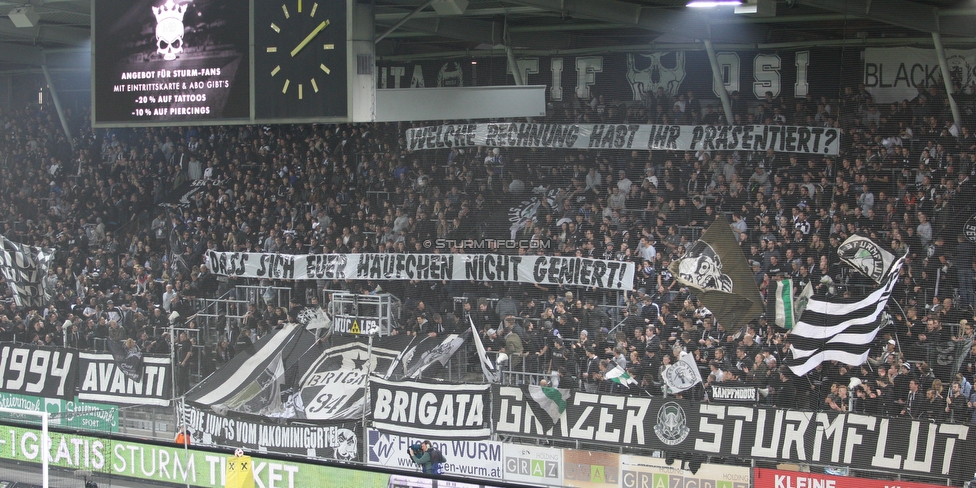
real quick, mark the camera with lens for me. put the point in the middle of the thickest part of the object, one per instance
(413, 449)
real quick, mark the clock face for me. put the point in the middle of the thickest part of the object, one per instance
(300, 59)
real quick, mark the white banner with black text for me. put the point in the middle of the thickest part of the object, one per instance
(746, 394)
(893, 74)
(468, 458)
(544, 270)
(779, 138)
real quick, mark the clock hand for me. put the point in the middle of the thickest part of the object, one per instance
(309, 38)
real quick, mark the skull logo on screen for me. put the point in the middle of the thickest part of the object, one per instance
(169, 29)
(648, 72)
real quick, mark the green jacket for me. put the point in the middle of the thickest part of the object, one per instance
(424, 461)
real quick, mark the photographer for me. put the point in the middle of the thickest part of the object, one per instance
(423, 458)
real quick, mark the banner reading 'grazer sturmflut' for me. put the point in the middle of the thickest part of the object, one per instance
(544, 270)
(779, 138)
(862, 442)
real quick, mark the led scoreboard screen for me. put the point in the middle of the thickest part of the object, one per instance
(194, 62)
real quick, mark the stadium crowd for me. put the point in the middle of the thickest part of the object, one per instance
(130, 252)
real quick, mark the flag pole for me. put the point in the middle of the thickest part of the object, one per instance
(897, 339)
(175, 373)
(369, 367)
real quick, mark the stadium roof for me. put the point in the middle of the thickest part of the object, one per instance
(413, 29)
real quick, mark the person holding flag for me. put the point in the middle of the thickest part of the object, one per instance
(682, 375)
(619, 377)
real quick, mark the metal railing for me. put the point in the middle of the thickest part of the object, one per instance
(276, 296)
(522, 377)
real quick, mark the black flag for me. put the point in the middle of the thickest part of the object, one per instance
(129, 361)
(716, 269)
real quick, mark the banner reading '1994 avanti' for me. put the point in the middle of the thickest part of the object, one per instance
(546, 270)
(779, 138)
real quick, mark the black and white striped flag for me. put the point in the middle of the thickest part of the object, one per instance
(491, 373)
(839, 329)
(249, 381)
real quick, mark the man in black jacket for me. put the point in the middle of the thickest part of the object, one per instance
(591, 375)
(913, 404)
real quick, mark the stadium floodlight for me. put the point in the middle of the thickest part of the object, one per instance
(757, 8)
(713, 3)
(24, 17)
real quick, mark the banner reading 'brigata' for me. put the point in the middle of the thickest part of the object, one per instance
(779, 138)
(545, 270)
(424, 409)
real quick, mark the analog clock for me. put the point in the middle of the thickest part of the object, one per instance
(300, 59)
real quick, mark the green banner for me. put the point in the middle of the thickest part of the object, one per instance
(65, 413)
(136, 460)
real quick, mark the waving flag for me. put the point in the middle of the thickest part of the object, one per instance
(423, 352)
(548, 403)
(716, 269)
(491, 374)
(867, 257)
(252, 382)
(782, 303)
(682, 375)
(23, 266)
(619, 376)
(784, 308)
(839, 329)
(129, 361)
